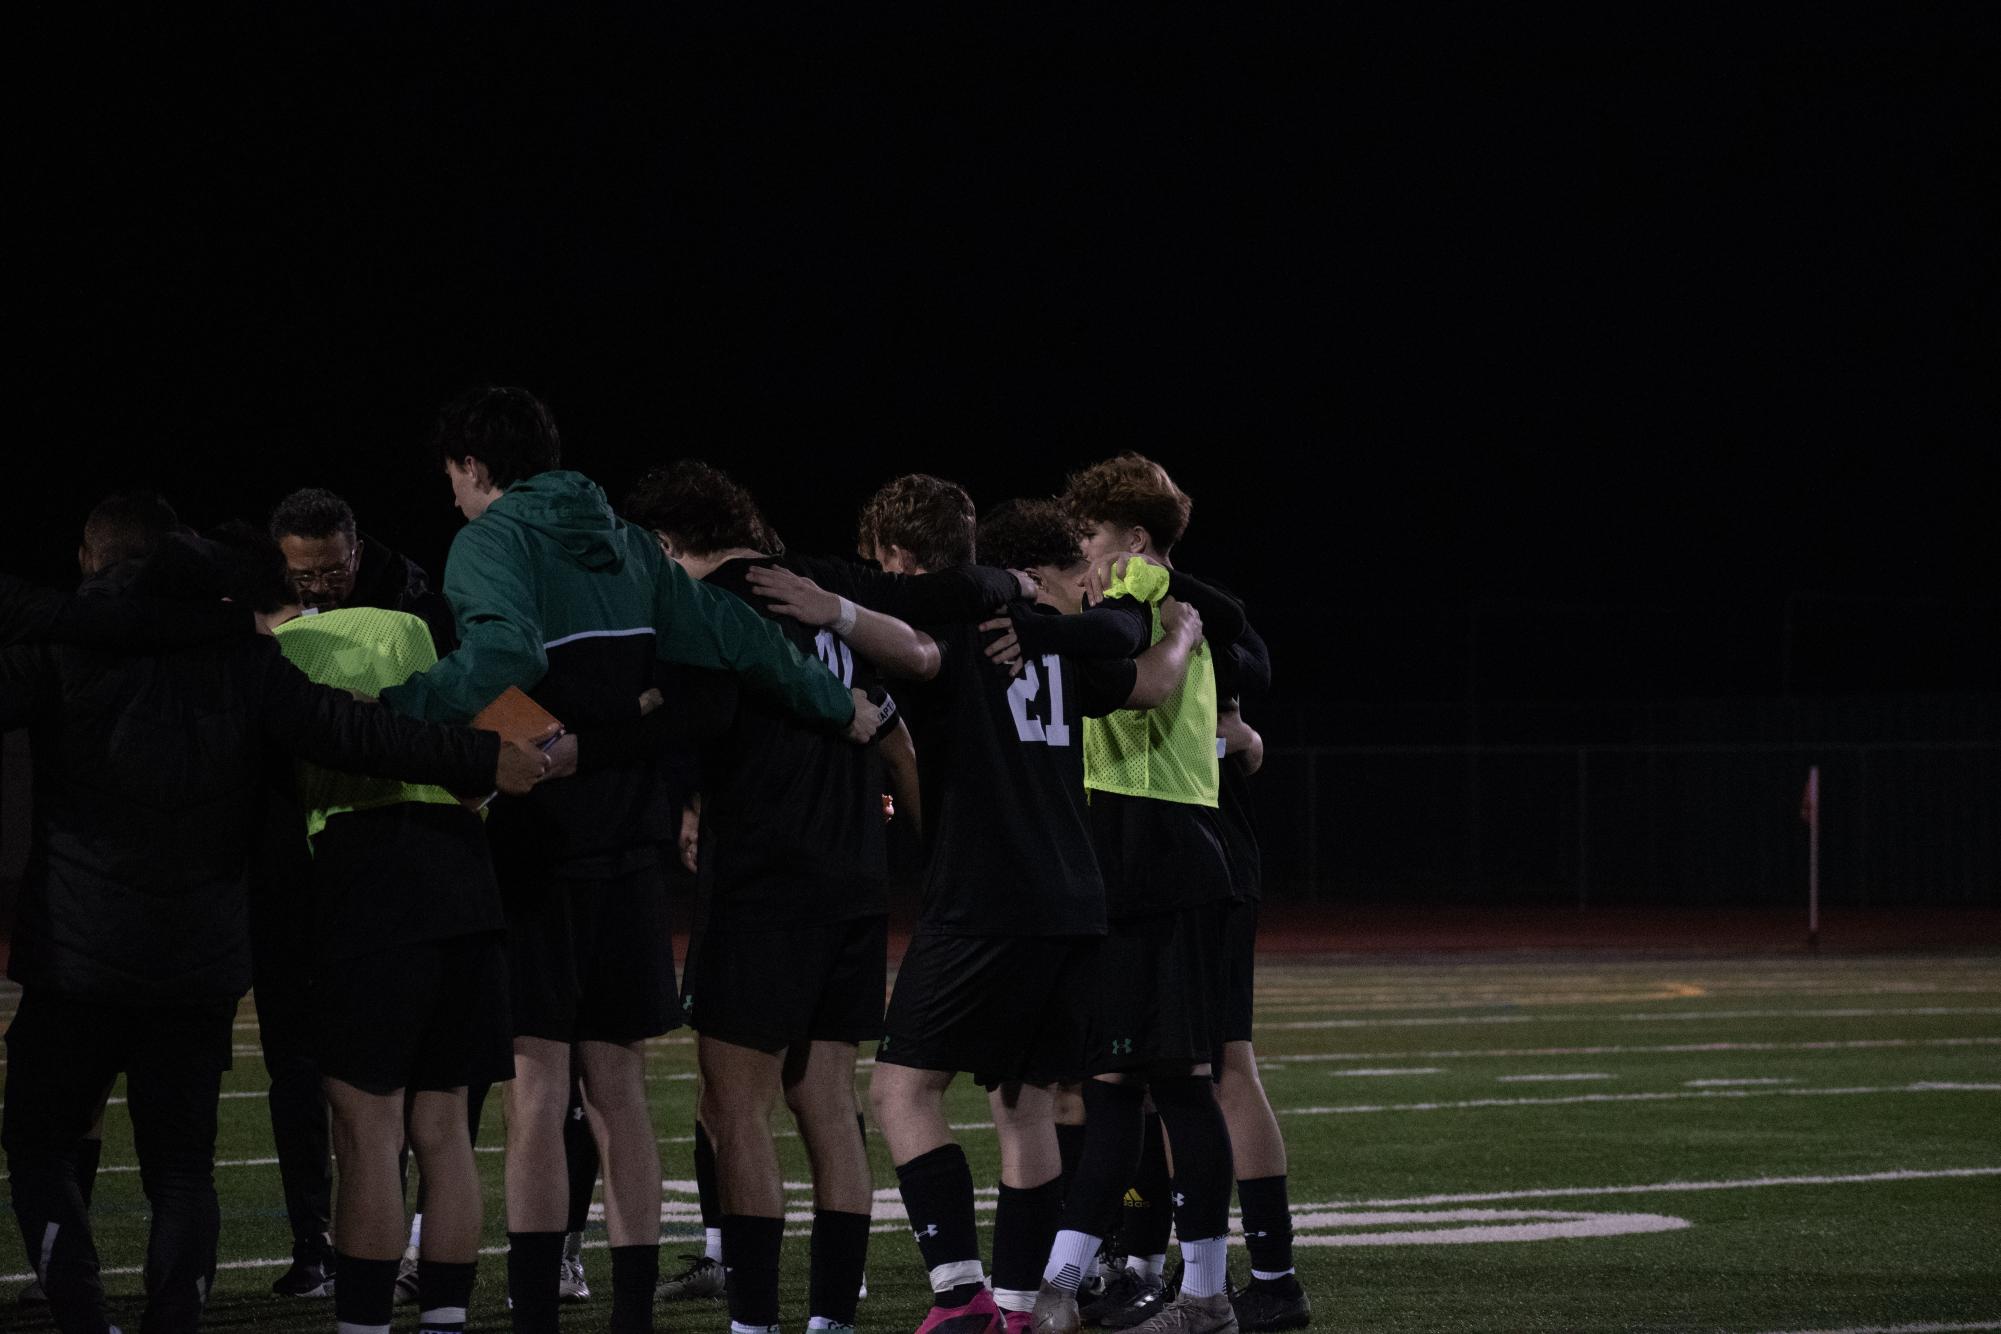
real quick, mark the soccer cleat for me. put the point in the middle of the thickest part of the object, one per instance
(312, 1271)
(1055, 1311)
(702, 1278)
(1109, 1267)
(1193, 1315)
(406, 1278)
(1129, 1291)
(1144, 1297)
(571, 1286)
(32, 1294)
(1272, 1303)
(978, 1316)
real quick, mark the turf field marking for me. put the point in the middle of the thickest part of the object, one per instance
(1496, 1225)
(1858, 1044)
(1576, 1099)
(1379, 1071)
(1732, 1083)
(1639, 1017)
(1667, 1188)
(1581, 1075)
(1900, 1329)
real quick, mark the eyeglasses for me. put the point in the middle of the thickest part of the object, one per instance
(329, 576)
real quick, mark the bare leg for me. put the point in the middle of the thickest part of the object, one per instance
(1024, 1118)
(615, 1101)
(820, 1089)
(368, 1207)
(442, 1141)
(910, 1107)
(536, 1099)
(1256, 1142)
(739, 1089)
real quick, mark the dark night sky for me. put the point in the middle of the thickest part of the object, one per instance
(1600, 331)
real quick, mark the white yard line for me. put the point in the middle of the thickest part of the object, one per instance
(1581, 1076)
(1637, 1017)
(1664, 1188)
(1373, 1073)
(1732, 1083)
(1579, 1099)
(1667, 1049)
(1923, 1328)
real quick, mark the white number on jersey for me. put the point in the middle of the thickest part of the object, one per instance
(1023, 692)
(836, 656)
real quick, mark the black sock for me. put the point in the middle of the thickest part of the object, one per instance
(938, 1195)
(534, 1261)
(1024, 1227)
(444, 1291)
(580, 1156)
(364, 1290)
(1148, 1215)
(87, 1153)
(750, 1263)
(1194, 1124)
(1112, 1138)
(705, 1178)
(1267, 1223)
(840, 1254)
(1070, 1148)
(634, 1272)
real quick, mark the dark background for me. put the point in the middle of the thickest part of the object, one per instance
(1608, 355)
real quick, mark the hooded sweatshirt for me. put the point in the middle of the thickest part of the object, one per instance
(557, 595)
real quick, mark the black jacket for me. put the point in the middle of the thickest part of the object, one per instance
(149, 797)
(396, 583)
(31, 615)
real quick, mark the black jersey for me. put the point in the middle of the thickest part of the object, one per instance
(1242, 673)
(791, 815)
(399, 875)
(1011, 850)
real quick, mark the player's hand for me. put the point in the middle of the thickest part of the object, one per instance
(562, 755)
(691, 836)
(1026, 584)
(795, 595)
(650, 699)
(862, 727)
(521, 767)
(1006, 649)
(1178, 618)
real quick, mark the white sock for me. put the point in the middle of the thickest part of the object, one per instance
(735, 1328)
(957, 1273)
(1205, 1265)
(416, 1231)
(1148, 1266)
(712, 1244)
(349, 1327)
(1070, 1259)
(821, 1322)
(1282, 1273)
(1014, 1299)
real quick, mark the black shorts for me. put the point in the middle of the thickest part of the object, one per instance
(1240, 961)
(592, 959)
(1157, 856)
(1001, 1008)
(770, 990)
(1160, 991)
(430, 1015)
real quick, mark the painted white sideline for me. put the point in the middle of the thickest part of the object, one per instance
(1616, 1049)
(1581, 1098)
(1924, 1328)
(1578, 1076)
(1638, 1017)
(1667, 1188)
(1373, 1072)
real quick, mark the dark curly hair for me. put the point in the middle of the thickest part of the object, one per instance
(1024, 534)
(509, 430)
(1130, 491)
(700, 508)
(931, 518)
(312, 512)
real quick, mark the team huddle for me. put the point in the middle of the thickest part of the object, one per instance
(1050, 708)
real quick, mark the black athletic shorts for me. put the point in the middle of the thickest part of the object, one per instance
(1160, 991)
(1001, 1008)
(1240, 960)
(427, 1015)
(770, 990)
(592, 957)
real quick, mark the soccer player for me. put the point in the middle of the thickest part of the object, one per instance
(131, 947)
(556, 595)
(786, 973)
(409, 990)
(1153, 780)
(994, 979)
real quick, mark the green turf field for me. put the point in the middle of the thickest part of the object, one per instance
(1551, 1144)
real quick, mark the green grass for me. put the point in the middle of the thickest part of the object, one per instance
(1799, 1256)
